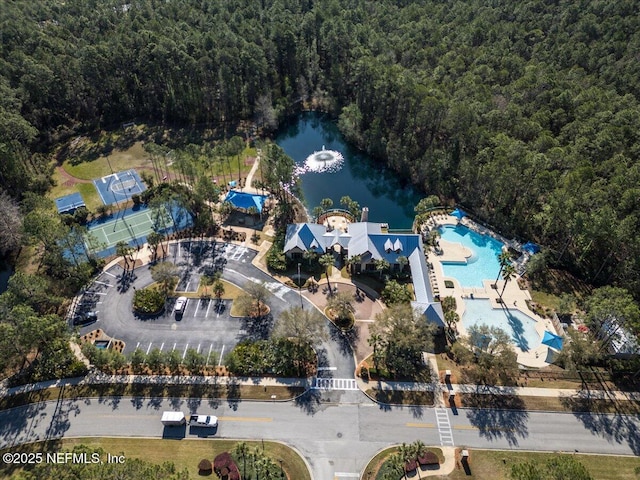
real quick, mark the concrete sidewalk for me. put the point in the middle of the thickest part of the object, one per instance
(499, 390)
(97, 378)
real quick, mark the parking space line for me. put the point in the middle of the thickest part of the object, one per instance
(162, 346)
(209, 355)
(221, 354)
(110, 274)
(174, 347)
(184, 354)
(102, 283)
(149, 347)
(198, 349)
(208, 307)
(138, 345)
(186, 288)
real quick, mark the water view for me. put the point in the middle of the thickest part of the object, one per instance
(483, 263)
(360, 177)
(521, 327)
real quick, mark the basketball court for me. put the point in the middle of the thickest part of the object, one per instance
(119, 187)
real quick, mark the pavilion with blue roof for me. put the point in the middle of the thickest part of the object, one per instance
(69, 203)
(246, 200)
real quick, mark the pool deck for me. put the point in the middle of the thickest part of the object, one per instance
(514, 298)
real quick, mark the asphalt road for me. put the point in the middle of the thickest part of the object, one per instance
(335, 439)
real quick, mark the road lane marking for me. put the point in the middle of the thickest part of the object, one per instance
(246, 419)
(421, 425)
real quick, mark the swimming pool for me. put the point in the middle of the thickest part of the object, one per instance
(520, 326)
(483, 263)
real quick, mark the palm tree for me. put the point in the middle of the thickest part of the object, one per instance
(326, 261)
(242, 450)
(381, 265)
(403, 262)
(508, 272)
(310, 255)
(353, 261)
(451, 318)
(503, 260)
(375, 340)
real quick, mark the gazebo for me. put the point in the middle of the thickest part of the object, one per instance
(245, 201)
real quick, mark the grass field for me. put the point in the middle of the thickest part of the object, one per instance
(184, 454)
(133, 157)
(496, 464)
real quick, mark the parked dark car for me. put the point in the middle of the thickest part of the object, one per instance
(85, 318)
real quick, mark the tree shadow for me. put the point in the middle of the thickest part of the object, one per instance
(309, 402)
(19, 428)
(620, 427)
(257, 328)
(498, 416)
(233, 394)
(343, 339)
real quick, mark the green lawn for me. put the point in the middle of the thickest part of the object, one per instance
(132, 157)
(184, 454)
(496, 464)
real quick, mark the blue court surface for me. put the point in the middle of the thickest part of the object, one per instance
(118, 187)
(69, 203)
(133, 225)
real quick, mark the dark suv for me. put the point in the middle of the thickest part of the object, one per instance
(85, 318)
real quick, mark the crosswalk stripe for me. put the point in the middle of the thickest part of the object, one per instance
(444, 427)
(334, 384)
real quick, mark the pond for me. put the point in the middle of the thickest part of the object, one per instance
(366, 181)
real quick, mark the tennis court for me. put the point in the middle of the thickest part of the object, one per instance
(132, 227)
(119, 187)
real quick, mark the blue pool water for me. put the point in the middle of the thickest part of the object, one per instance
(520, 326)
(482, 265)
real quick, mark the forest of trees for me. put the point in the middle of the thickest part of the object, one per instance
(524, 112)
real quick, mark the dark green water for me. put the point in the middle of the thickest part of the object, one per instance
(365, 181)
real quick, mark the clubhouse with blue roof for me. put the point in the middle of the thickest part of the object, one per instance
(370, 242)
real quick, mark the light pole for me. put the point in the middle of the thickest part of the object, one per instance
(300, 287)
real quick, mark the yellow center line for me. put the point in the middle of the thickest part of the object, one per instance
(421, 425)
(245, 419)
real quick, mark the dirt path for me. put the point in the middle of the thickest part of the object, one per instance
(69, 180)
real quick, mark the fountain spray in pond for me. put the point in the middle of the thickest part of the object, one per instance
(324, 161)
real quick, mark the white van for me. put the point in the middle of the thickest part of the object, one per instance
(181, 304)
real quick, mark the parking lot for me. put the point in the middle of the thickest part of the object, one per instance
(204, 325)
(202, 257)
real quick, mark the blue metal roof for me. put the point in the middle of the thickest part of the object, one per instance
(245, 200)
